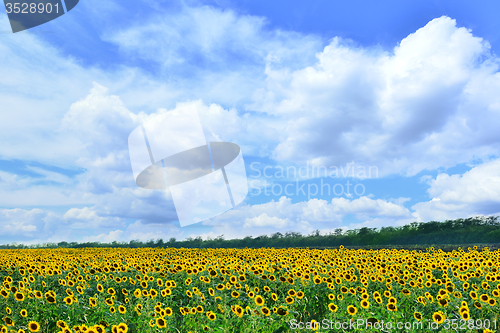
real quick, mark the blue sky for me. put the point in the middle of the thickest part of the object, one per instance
(408, 90)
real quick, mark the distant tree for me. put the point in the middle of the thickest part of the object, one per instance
(277, 235)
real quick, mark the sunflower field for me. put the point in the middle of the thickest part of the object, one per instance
(248, 290)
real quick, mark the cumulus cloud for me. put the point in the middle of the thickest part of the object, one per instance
(364, 207)
(263, 220)
(415, 108)
(305, 216)
(476, 192)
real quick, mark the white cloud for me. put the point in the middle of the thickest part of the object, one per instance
(365, 206)
(419, 107)
(304, 217)
(476, 192)
(263, 220)
(20, 222)
(115, 235)
(20, 190)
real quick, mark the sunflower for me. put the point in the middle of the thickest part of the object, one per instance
(8, 321)
(392, 307)
(33, 326)
(417, 315)
(18, 296)
(161, 323)
(265, 311)
(121, 327)
(332, 307)
(351, 309)
(98, 329)
(465, 314)
(259, 300)
(122, 309)
(365, 304)
(438, 317)
(238, 310)
(289, 300)
(282, 311)
(212, 316)
(443, 302)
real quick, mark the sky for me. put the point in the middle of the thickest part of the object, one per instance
(348, 114)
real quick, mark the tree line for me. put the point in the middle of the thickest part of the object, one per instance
(472, 230)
